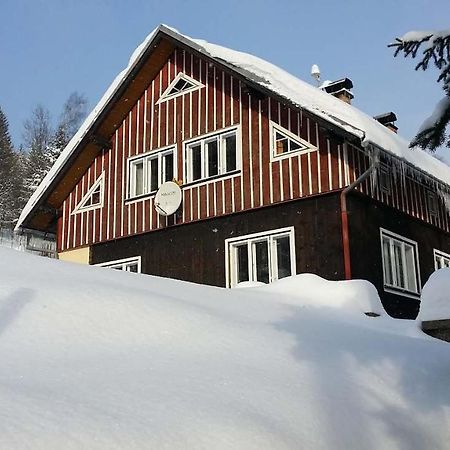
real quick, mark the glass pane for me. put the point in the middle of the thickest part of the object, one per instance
(242, 263)
(398, 265)
(88, 202)
(196, 162)
(283, 257)
(95, 199)
(153, 171)
(168, 167)
(410, 268)
(384, 181)
(138, 178)
(438, 262)
(180, 86)
(230, 149)
(133, 267)
(387, 262)
(294, 146)
(432, 204)
(213, 159)
(261, 255)
(282, 145)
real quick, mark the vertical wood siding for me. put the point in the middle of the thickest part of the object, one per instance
(223, 102)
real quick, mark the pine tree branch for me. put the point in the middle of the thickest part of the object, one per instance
(436, 51)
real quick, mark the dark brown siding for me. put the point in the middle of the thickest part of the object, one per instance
(196, 252)
(366, 218)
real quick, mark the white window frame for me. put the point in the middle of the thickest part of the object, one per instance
(394, 287)
(100, 181)
(432, 201)
(145, 158)
(270, 235)
(166, 96)
(202, 141)
(384, 181)
(442, 256)
(306, 147)
(122, 264)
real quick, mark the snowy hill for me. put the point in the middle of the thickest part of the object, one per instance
(93, 358)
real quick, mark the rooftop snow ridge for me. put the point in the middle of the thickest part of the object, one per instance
(273, 78)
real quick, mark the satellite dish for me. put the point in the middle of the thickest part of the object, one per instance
(315, 73)
(168, 198)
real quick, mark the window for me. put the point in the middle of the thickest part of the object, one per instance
(264, 257)
(148, 172)
(432, 202)
(400, 264)
(128, 264)
(93, 198)
(179, 86)
(212, 155)
(284, 142)
(441, 259)
(385, 179)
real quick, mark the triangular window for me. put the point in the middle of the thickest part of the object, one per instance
(93, 198)
(285, 142)
(179, 86)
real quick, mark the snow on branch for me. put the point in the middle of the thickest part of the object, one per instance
(436, 50)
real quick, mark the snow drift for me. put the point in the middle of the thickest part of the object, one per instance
(99, 359)
(435, 304)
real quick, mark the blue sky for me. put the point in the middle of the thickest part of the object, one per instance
(50, 48)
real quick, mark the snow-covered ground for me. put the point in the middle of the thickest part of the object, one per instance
(94, 358)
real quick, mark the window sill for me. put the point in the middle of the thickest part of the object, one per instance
(291, 154)
(139, 197)
(83, 210)
(402, 292)
(214, 178)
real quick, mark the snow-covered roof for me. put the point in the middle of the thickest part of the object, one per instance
(329, 108)
(273, 78)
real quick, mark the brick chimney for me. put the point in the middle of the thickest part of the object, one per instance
(340, 89)
(388, 120)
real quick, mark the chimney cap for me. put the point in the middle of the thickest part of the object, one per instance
(335, 86)
(386, 118)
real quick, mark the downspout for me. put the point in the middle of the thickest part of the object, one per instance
(344, 212)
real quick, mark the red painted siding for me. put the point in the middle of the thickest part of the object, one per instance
(222, 102)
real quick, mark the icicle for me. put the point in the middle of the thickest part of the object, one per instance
(444, 195)
(374, 158)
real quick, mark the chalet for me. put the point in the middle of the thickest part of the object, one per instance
(274, 177)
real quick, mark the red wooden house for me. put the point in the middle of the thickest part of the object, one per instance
(277, 177)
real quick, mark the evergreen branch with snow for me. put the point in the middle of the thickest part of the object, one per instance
(436, 51)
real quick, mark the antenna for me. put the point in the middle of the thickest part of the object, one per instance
(315, 73)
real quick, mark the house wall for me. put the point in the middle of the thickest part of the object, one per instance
(365, 219)
(196, 252)
(223, 102)
(233, 204)
(78, 255)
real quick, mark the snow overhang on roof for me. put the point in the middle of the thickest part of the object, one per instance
(261, 74)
